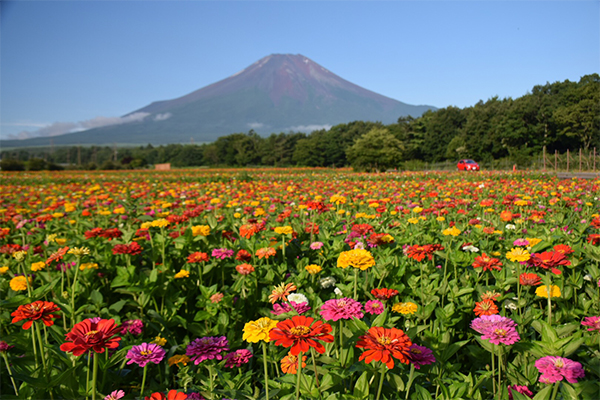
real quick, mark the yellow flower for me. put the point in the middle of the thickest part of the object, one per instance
(284, 230)
(159, 341)
(454, 231)
(520, 203)
(146, 225)
(413, 220)
(19, 255)
(178, 359)
(58, 215)
(61, 241)
(182, 274)
(337, 199)
(258, 212)
(255, 331)
(357, 258)
(200, 230)
(237, 215)
(79, 251)
(37, 266)
(3, 270)
(417, 210)
(313, 269)
(532, 242)
(50, 238)
(405, 308)
(517, 254)
(159, 223)
(19, 283)
(119, 210)
(215, 201)
(387, 238)
(542, 291)
(341, 212)
(85, 266)
(441, 219)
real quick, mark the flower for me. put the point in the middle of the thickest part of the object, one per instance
(313, 269)
(496, 329)
(344, 308)
(216, 298)
(592, 322)
(284, 230)
(289, 363)
(384, 344)
(159, 223)
(85, 266)
(38, 310)
(244, 269)
(171, 395)
(281, 292)
(255, 331)
(316, 245)
(517, 254)
(542, 291)
(384, 294)
(207, 348)
(132, 248)
(374, 307)
(182, 274)
(485, 307)
(420, 355)
(418, 252)
(237, 358)
(58, 255)
(222, 253)
(4, 347)
(159, 341)
(529, 279)
(96, 336)
(3, 270)
(454, 231)
(405, 308)
(197, 257)
(327, 282)
(554, 369)
(19, 255)
(265, 252)
(145, 353)
(19, 283)
(549, 260)
(200, 230)
(357, 258)
(38, 266)
(115, 395)
(133, 326)
(79, 251)
(487, 263)
(243, 255)
(521, 389)
(178, 359)
(301, 333)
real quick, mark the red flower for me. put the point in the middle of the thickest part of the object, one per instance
(311, 227)
(38, 310)
(485, 307)
(419, 253)
(96, 336)
(111, 233)
(197, 257)
(361, 229)
(549, 260)
(58, 255)
(383, 344)
(301, 334)
(243, 255)
(172, 395)
(487, 263)
(564, 249)
(594, 239)
(94, 233)
(530, 279)
(132, 248)
(384, 294)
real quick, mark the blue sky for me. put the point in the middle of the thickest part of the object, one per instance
(78, 62)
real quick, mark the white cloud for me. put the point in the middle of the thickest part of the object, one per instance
(255, 125)
(308, 128)
(162, 117)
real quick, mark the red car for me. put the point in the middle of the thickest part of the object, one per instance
(467, 165)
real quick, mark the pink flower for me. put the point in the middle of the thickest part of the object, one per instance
(115, 395)
(521, 242)
(592, 322)
(133, 326)
(316, 245)
(283, 308)
(420, 355)
(521, 389)
(237, 358)
(496, 329)
(554, 369)
(145, 353)
(344, 308)
(222, 253)
(374, 307)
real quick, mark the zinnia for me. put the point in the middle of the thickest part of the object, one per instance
(383, 344)
(384, 293)
(38, 310)
(496, 329)
(592, 322)
(289, 364)
(255, 331)
(281, 292)
(96, 336)
(357, 258)
(554, 369)
(485, 307)
(529, 279)
(238, 358)
(405, 308)
(244, 269)
(517, 254)
(145, 353)
(301, 333)
(197, 257)
(420, 355)
(344, 308)
(542, 291)
(487, 263)
(374, 307)
(207, 348)
(19, 283)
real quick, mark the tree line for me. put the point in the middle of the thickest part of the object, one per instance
(558, 116)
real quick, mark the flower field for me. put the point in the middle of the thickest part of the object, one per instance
(299, 283)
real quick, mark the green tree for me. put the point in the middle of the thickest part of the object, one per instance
(377, 150)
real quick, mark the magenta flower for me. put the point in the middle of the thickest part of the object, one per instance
(554, 369)
(521, 389)
(207, 348)
(316, 245)
(133, 326)
(237, 358)
(115, 395)
(374, 307)
(420, 355)
(5, 347)
(222, 253)
(283, 308)
(95, 320)
(496, 329)
(592, 322)
(344, 308)
(145, 353)
(521, 242)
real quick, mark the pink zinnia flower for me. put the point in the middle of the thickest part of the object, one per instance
(521, 242)
(237, 358)
(133, 326)
(283, 308)
(374, 307)
(420, 355)
(222, 253)
(115, 395)
(316, 245)
(554, 369)
(592, 322)
(207, 348)
(496, 329)
(521, 389)
(145, 353)
(344, 308)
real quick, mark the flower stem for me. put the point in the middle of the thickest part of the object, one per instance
(555, 390)
(341, 343)
(143, 382)
(411, 378)
(493, 373)
(383, 371)
(312, 353)
(299, 376)
(87, 377)
(355, 282)
(73, 287)
(10, 372)
(95, 376)
(41, 346)
(264, 347)
(34, 345)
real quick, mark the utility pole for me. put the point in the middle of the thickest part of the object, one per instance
(114, 152)
(79, 155)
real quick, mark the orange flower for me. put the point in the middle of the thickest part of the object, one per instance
(38, 310)
(506, 216)
(265, 252)
(301, 333)
(281, 292)
(244, 269)
(485, 307)
(58, 255)
(487, 263)
(289, 364)
(197, 257)
(383, 344)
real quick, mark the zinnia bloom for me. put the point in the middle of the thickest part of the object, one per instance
(38, 310)
(357, 258)
(485, 307)
(96, 336)
(133, 326)
(222, 253)
(207, 348)
(496, 329)
(58, 255)
(244, 269)
(19, 283)
(420, 355)
(265, 252)
(182, 274)
(521, 389)
(419, 253)
(405, 308)
(145, 353)
(255, 331)
(115, 395)
(289, 364)
(171, 395)
(487, 263)
(374, 307)
(517, 254)
(530, 279)
(554, 369)
(384, 294)
(301, 333)
(592, 322)
(132, 248)
(313, 269)
(197, 257)
(284, 230)
(344, 308)
(281, 292)
(200, 230)
(178, 359)
(238, 358)
(542, 291)
(549, 260)
(243, 255)
(383, 344)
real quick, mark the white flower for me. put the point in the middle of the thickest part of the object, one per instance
(481, 186)
(297, 298)
(471, 248)
(587, 277)
(510, 226)
(510, 305)
(327, 282)
(338, 292)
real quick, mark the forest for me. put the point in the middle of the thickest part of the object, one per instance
(559, 116)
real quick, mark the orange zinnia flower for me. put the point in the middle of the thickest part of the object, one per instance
(38, 310)
(281, 292)
(301, 333)
(244, 269)
(197, 257)
(58, 255)
(383, 344)
(384, 294)
(289, 364)
(485, 307)
(265, 252)
(487, 263)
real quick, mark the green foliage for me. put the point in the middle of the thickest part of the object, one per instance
(377, 150)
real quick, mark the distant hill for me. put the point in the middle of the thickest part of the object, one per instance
(278, 93)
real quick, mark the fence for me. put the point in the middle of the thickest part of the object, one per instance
(583, 160)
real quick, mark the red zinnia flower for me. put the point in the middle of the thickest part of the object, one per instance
(383, 344)
(485, 307)
(133, 248)
(564, 249)
(594, 239)
(111, 233)
(96, 336)
(419, 253)
(549, 260)
(487, 263)
(301, 334)
(384, 294)
(243, 255)
(38, 310)
(530, 279)
(197, 257)
(94, 233)
(172, 395)
(58, 255)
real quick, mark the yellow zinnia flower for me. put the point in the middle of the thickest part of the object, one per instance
(517, 254)
(313, 269)
(37, 266)
(19, 255)
(60, 241)
(357, 258)
(159, 223)
(407, 308)
(3, 270)
(19, 283)
(79, 251)
(182, 274)
(160, 341)
(255, 331)
(542, 291)
(284, 230)
(85, 266)
(178, 359)
(454, 231)
(200, 230)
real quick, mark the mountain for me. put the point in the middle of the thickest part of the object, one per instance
(278, 93)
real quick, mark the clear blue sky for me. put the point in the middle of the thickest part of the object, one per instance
(71, 61)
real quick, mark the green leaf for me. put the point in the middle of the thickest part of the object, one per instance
(361, 388)
(545, 393)
(96, 297)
